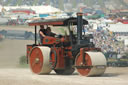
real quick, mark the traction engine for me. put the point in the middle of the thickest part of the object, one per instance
(64, 54)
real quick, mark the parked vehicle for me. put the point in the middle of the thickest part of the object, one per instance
(17, 34)
(116, 61)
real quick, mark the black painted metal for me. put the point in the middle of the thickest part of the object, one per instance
(83, 67)
(70, 32)
(35, 35)
(79, 26)
(84, 55)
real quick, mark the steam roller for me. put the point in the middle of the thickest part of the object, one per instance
(65, 53)
(39, 60)
(95, 64)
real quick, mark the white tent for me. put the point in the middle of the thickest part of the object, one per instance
(118, 27)
(37, 9)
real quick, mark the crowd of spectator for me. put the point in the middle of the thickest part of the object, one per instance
(106, 40)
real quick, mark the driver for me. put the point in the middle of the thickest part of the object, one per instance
(42, 33)
(49, 33)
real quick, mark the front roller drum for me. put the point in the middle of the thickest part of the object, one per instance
(95, 64)
(39, 60)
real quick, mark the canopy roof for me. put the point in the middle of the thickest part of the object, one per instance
(57, 22)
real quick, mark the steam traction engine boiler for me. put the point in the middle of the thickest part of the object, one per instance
(64, 54)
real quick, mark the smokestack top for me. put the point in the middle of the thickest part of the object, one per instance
(79, 14)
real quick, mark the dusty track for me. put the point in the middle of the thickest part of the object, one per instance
(11, 51)
(113, 76)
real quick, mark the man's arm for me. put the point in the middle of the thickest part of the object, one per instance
(52, 34)
(42, 34)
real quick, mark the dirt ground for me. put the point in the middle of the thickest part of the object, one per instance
(11, 51)
(17, 76)
(10, 74)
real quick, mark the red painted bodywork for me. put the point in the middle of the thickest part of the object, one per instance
(79, 62)
(60, 54)
(46, 23)
(50, 40)
(60, 58)
(36, 67)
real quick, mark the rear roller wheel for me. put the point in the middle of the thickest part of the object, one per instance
(39, 60)
(95, 61)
